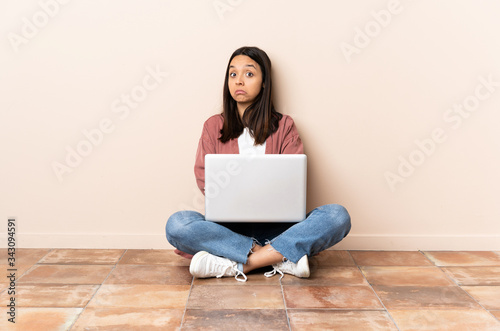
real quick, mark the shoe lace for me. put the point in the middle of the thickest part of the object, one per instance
(239, 273)
(280, 268)
(274, 271)
(224, 268)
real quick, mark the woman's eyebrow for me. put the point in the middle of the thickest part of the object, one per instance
(247, 65)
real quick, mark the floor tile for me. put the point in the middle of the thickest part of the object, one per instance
(452, 320)
(487, 296)
(464, 258)
(130, 319)
(24, 256)
(345, 297)
(330, 258)
(40, 319)
(42, 295)
(153, 257)
(66, 274)
(151, 289)
(235, 297)
(496, 313)
(253, 279)
(83, 256)
(328, 277)
(235, 319)
(474, 275)
(20, 270)
(148, 274)
(412, 297)
(143, 296)
(406, 276)
(389, 258)
(321, 320)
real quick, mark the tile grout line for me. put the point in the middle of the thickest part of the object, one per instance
(460, 286)
(34, 264)
(187, 301)
(484, 308)
(284, 304)
(428, 258)
(27, 270)
(182, 322)
(374, 292)
(97, 290)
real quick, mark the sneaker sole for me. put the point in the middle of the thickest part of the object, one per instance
(194, 262)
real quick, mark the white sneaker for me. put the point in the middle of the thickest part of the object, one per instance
(206, 265)
(299, 269)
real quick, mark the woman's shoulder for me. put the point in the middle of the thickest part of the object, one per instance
(286, 122)
(286, 118)
(216, 120)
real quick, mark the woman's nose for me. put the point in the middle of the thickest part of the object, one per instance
(239, 80)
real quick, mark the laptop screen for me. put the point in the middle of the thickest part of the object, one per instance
(255, 188)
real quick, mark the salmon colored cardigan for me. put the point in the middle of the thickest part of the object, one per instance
(285, 140)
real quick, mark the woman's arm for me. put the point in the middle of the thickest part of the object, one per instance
(206, 145)
(291, 140)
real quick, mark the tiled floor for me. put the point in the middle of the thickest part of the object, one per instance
(63, 289)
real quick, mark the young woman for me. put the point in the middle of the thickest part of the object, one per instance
(250, 124)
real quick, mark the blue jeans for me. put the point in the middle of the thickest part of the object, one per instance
(323, 227)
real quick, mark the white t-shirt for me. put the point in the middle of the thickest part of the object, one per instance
(246, 144)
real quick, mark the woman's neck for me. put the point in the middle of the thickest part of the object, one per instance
(242, 108)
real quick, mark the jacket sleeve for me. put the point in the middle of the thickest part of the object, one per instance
(291, 141)
(205, 146)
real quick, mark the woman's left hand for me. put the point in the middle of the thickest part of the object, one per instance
(185, 255)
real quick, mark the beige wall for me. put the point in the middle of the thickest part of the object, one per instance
(367, 82)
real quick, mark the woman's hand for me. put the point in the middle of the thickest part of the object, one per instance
(185, 255)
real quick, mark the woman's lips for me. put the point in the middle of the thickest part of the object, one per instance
(240, 92)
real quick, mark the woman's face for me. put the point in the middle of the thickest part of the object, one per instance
(245, 80)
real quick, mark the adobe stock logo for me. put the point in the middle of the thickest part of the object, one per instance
(94, 137)
(222, 179)
(222, 7)
(372, 29)
(426, 147)
(31, 27)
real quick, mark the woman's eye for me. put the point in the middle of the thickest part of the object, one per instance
(249, 74)
(232, 74)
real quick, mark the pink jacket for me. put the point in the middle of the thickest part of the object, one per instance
(285, 140)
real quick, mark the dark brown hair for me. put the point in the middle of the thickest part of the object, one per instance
(260, 117)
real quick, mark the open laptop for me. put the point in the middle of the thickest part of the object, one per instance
(255, 188)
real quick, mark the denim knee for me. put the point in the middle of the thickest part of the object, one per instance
(340, 217)
(176, 228)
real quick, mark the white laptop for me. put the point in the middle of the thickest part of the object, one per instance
(255, 188)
